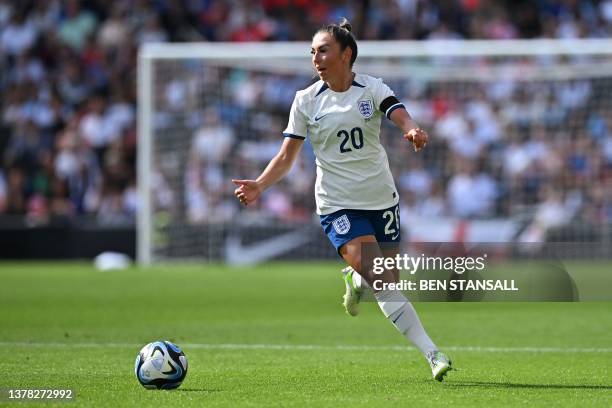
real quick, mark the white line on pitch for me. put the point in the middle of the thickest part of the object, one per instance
(477, 349)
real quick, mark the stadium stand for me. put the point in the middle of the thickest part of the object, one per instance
(68, 129)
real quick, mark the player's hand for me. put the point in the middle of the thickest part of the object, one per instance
(247, 191)
(418, 137)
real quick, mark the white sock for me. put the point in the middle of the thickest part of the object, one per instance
(402, 315)
(360, 283)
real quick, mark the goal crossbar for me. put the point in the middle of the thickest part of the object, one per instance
(399, 49)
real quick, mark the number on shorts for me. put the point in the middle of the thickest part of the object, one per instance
(393, 223)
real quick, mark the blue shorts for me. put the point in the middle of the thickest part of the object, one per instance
(345, 225)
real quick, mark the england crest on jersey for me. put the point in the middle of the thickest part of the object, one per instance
(366, 108)
(342, 225)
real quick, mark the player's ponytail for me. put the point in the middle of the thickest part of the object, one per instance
(342, 33)
(344, 23)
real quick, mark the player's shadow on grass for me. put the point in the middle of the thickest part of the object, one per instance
(490, 384)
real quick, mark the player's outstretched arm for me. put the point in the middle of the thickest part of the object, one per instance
(250, 190)
(412, 131)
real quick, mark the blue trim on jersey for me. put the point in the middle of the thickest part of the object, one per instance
(292, 136)
(323, 88)
(394, 107)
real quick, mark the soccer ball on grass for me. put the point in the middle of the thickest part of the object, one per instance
(161, 365)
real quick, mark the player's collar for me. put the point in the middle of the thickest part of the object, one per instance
(325, 86)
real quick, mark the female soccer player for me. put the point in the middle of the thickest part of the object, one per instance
(354, 190)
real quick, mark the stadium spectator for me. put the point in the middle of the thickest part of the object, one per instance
(471, 195)
(552, 212)
(18, 36)
(76, 26)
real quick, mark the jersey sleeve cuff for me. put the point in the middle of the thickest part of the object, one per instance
(392, 108)
(292, 136)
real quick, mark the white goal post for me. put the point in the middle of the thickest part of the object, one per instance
(162, 102)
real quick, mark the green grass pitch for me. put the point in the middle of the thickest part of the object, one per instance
(276, 335)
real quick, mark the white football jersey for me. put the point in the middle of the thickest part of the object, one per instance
(344, 130)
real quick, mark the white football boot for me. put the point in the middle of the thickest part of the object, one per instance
(352, 296)
(440, 364)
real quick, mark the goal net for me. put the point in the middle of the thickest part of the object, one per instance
(520, 148)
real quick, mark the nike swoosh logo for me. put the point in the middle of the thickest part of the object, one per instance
(317, 118)
(395, 236)
(266, 249)
(400, 315)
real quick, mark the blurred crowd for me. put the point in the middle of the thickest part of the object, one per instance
(68, 129)
(536, 149)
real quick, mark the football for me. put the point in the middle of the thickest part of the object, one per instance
(161, 365)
